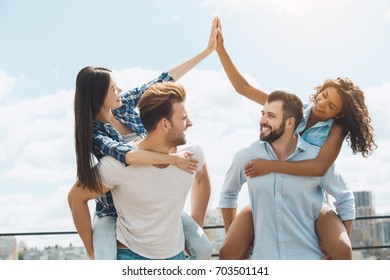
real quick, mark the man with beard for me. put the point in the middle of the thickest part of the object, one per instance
(284, 207)
(150, 199)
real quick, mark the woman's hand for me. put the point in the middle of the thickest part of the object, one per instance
(187, 162)
(257, 167)
(220, 45)
(212, 45)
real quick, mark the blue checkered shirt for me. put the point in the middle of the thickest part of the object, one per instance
(107, 141)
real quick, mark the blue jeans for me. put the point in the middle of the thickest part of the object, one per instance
(196, 241)
(104, 238)
(127, 254)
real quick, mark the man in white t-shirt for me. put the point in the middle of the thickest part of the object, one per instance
(150, 199)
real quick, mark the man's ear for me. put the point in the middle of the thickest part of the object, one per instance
(164, 123)
(290, 122)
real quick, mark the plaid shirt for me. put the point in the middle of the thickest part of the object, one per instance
(107, 141)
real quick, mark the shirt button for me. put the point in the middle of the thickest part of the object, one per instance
(278, 210)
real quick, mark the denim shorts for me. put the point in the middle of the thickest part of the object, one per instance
(127, 254)
(104, 237)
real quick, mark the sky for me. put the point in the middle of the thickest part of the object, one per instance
(290, 44)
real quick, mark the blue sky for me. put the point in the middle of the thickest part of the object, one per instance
(293, 44)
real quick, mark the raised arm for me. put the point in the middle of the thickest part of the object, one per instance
(236, 79)
(179, 71)
(312, 167)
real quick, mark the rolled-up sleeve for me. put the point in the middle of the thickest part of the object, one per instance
(335, 185)
(232, 184)
(133, 96)
(105, 145)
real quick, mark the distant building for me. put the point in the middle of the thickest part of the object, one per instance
(383, 231)
(365, 208)
(364, 231)
(56, 253)
(369, 232)
(363, 199)
(8, 248)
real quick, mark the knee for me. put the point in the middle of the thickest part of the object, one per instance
(205, 251)
(345, 251)
(344, 255)
(201, 251)
(341, 249)
(226, 252)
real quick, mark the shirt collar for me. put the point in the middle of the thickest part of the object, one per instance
(306, 114)
(302, 145)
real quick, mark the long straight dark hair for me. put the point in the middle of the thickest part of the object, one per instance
(91, 89)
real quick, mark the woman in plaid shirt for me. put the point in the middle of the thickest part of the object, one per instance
(111, 120)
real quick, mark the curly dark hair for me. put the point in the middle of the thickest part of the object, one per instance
(355, 120)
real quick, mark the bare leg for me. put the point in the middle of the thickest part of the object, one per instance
(333, 235)
(239, 237)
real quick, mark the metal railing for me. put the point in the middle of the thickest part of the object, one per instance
(371, 218)
(205, 227)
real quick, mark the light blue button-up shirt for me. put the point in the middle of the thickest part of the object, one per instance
(318, 133)
(285, 207)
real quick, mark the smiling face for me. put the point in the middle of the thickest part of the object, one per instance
(113, 99)
(179, 123)
(328, 104)
(272, 123)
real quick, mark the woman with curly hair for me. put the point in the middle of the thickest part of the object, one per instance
(337, 112)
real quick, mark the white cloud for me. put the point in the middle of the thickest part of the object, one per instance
(28, 212)
(39, 146)
(38, 134)
(6, 84)
(31, 212)
(378, 98)
(368, 174)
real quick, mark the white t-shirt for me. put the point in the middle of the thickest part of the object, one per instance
(149, 202)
